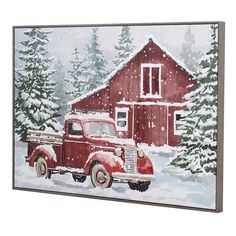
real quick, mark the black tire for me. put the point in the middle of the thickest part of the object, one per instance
(79, 178)
(42, 168)
(100, 177)
(139, 186)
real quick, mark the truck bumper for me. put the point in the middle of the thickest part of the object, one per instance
(132, 177)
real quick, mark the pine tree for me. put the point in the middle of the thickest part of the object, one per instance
(76, 75)
(125, 46)
(197, 152)
(94, 68)
(35, 104)
(61, 89)
(190, 57)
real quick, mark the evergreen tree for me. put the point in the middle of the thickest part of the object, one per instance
(125, 46)
(197, 152)
(94, 68)
(76, 75)
(190, 57)
(61, 89)
(35, 104)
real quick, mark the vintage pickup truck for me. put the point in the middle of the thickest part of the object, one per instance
(89, 146)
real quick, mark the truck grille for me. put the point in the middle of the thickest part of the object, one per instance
(130, 165)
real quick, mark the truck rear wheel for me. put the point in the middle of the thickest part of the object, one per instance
(100, 177)
(42, 168)
(139, 186)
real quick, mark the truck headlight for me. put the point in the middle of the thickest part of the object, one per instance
(140, 153)
(118, 152)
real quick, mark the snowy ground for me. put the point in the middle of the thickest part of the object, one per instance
(167, 188)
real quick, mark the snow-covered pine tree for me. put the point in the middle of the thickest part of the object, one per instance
(94, 67)
(124, 47)
(35, 105)
(61, 89)
(197, 151)
(188, 55)
(75, 73)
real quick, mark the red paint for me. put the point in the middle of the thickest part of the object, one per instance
(152, 124)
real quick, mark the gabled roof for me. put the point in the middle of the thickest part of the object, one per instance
(122, 65)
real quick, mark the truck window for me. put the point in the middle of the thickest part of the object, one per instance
(99, 128)
(75, 129)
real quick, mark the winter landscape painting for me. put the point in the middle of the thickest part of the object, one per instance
(122, 112)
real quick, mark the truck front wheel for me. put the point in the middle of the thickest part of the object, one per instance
(140, 186)
(42, 168)
(100, 177)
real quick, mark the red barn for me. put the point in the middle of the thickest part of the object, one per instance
(144, 96)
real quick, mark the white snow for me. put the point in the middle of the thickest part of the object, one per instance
(166, 189)
(116, 140)
(70, 169)
(96, 116)
(49, 149)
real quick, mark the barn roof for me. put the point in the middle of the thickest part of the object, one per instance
(122, 65)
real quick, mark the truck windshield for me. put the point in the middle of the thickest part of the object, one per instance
(99, 129)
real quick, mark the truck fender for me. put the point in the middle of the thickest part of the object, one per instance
(45, 151)
(145, 165)
(111, 162)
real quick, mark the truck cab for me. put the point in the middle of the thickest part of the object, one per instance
(90, 146)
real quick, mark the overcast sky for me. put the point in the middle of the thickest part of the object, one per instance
(64, 40)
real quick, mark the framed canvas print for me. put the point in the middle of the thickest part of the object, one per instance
(127, 112)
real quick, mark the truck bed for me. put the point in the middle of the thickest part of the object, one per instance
(44, 137)
(36, 138)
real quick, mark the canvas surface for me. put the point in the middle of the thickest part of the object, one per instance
(124, 112)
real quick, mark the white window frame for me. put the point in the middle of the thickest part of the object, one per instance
(123, 109)
(150, 66)
(179, 112)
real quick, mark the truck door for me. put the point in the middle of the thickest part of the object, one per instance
(76, 149)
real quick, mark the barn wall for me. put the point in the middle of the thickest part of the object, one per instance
(150, 125)
(96, 101)
(125, 85)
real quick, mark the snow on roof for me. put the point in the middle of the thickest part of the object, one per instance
(122, 65)
(175, 104)
(84, 116)
(180, 63)
(87, 94)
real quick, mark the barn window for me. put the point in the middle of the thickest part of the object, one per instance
(178, 126)
(151, 80)
(121, 118)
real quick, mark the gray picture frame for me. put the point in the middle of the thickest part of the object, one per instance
(220, 114)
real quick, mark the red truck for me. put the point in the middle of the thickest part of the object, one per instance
(90, 146)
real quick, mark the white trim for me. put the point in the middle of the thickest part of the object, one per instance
(150, 66)
(174, 104)
(122, 109)
(177, 132)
